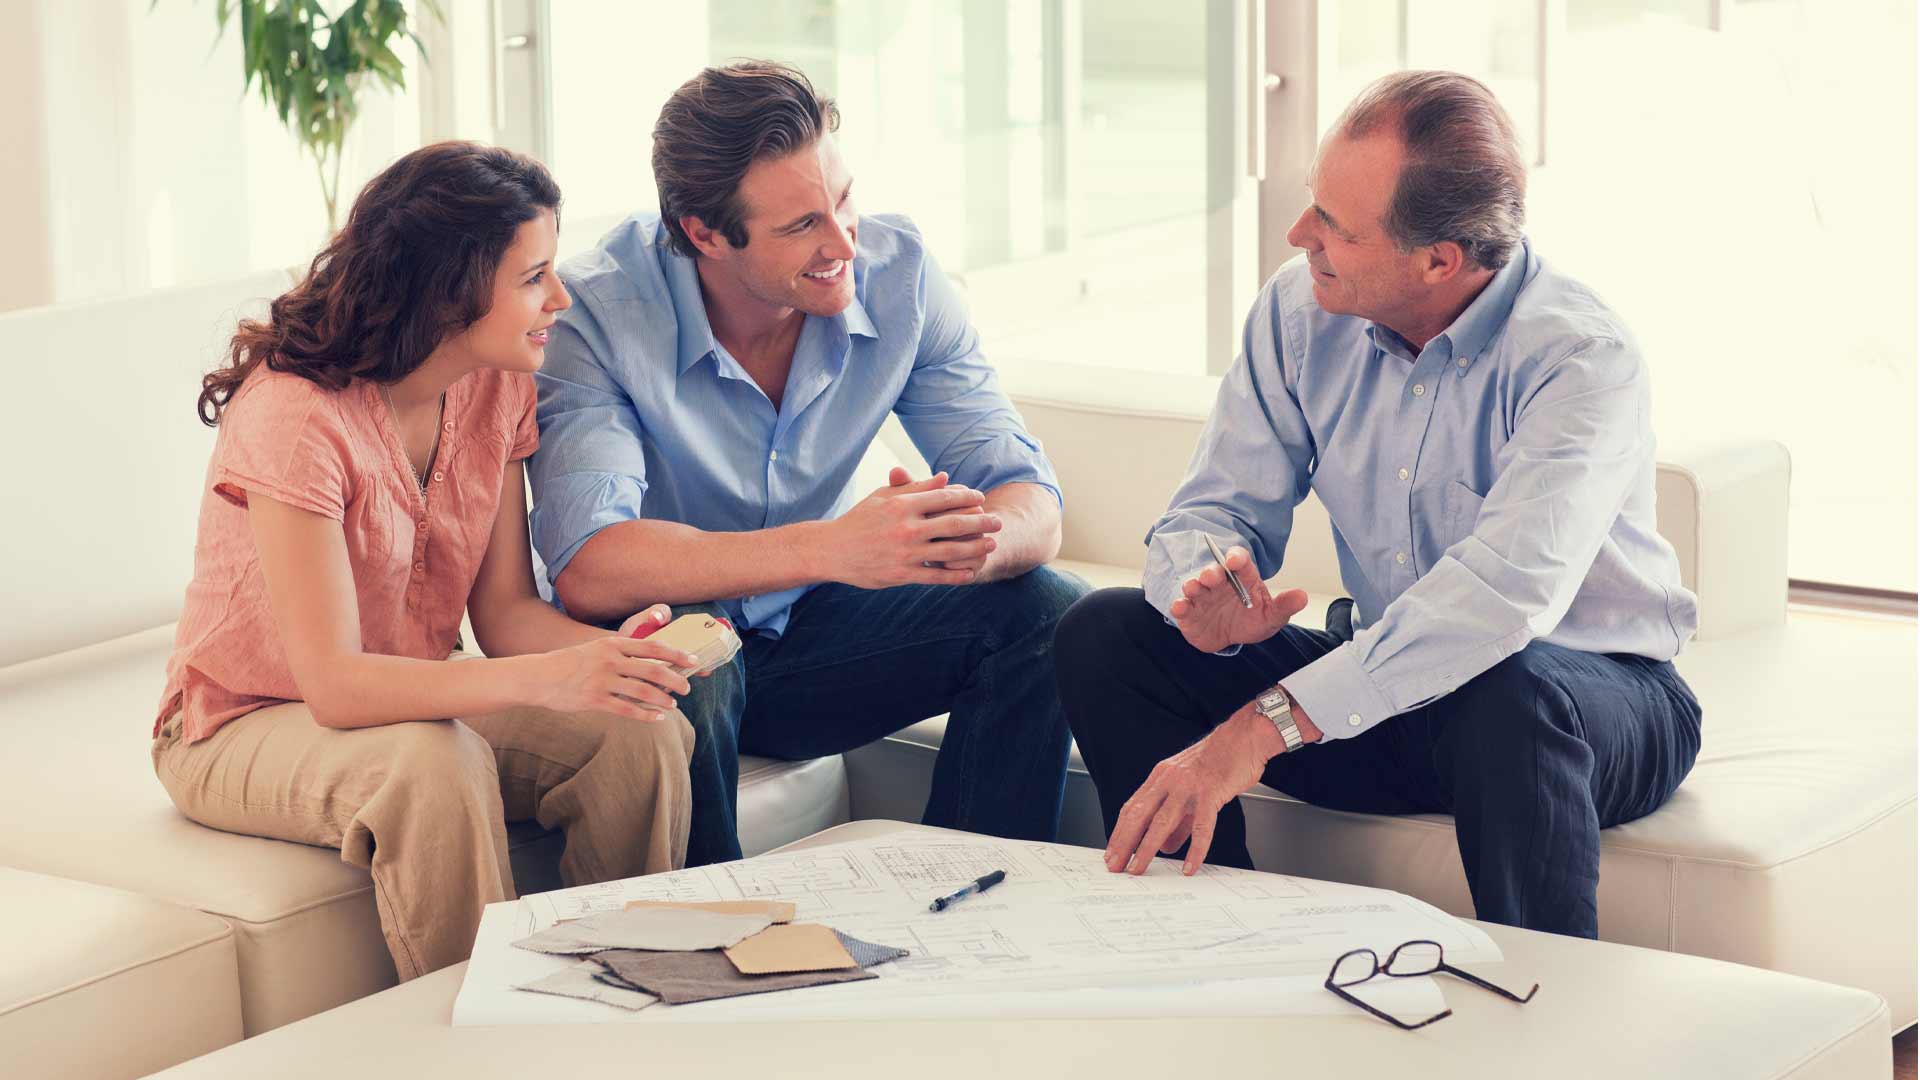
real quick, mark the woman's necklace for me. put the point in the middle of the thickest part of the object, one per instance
(419, 475)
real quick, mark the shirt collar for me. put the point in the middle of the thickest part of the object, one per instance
(696, 331)
(1472, 330)
(689, 309)
(855, 320)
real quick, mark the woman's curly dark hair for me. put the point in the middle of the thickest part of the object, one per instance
(414, 264)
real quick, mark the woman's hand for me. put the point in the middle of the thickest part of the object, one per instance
(655, 617)
(616, 674)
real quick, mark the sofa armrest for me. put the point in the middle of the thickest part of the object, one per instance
(1723, 507)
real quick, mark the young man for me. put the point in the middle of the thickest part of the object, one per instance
(1477, 426)
(704, 405)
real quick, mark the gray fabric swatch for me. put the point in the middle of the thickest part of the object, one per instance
(866, 953)
(682, 977)
(660, 929)
(608, 977)
(583, 980)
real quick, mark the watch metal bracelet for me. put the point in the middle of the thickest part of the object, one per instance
(1273, 705)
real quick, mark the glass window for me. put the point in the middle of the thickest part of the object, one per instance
(161, 172)
(1056, 155)
(1743, 193)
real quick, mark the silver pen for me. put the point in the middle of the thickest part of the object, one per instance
(1220, 560)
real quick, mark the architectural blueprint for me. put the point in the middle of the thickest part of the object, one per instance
(1059, 926)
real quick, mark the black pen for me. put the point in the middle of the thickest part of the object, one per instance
(964, 891)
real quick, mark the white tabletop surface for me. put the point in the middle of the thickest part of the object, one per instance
(1603, 1010)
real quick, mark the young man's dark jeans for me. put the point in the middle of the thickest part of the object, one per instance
(1532, 758)
(855, 665)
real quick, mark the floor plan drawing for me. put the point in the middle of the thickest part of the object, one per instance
(817, 884)
(1138, 930)
(1060, 923)
(937, 868)
(1081, 876)
(1255, 887)
(952, 943)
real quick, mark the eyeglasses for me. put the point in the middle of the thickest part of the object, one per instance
(1405, 961)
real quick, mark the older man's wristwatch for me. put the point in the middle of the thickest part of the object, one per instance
(1274, 705)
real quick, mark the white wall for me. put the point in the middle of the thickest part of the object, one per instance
(138, 162)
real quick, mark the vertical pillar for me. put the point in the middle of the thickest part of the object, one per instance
(989, 191)
(26, 273)
(1061, 29)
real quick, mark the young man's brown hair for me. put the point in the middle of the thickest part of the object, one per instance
(716, 125)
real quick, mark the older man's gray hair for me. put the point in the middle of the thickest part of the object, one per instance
(1463, 179)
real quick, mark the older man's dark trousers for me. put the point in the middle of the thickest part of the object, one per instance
(1533, 757)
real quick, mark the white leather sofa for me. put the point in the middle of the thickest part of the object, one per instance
(1792, 845)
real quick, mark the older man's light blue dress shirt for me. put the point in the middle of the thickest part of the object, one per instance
(643, 414)
(1493, 488)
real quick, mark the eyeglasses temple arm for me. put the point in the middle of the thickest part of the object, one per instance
(1485, 985)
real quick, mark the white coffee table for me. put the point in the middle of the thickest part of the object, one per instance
(1603, 1011)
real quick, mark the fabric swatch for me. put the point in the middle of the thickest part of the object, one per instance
(866, 953)
(679, 978)
(794, 947)
(661, 929)
(583, 980)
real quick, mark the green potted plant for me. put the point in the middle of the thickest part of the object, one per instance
(312, 65)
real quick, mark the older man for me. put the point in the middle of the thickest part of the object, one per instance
(1477, 425)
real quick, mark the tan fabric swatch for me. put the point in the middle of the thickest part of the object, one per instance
(794, 947)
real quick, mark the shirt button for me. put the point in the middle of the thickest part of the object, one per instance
(447, 427)
(419, 568)
(1403, 475)
(1419, 389)
(438, 476)
(1400, 557)
(423, 521)
(1354, 720)
(773, 455)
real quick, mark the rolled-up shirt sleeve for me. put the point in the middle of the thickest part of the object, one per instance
(952, 406)
(1250, 470)
(1581, 442)
(590, 471)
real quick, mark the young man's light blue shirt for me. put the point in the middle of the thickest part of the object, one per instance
(1494, 488)
(643, 414)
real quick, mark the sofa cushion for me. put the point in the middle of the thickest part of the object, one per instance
(119, 405)
(103, 983)
(1796, 828)
(95, 813)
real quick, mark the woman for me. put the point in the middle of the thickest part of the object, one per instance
(366, 488)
